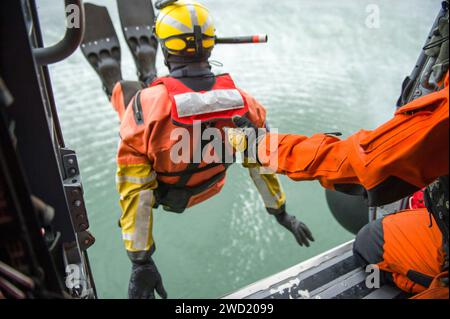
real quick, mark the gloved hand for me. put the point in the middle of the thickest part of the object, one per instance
(246, 137)
(145, 279)
(300, 231)
(243, 122)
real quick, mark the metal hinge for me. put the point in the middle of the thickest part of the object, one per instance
(75, 199)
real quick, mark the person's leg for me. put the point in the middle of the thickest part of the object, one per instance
(368, 248)
(404, 246)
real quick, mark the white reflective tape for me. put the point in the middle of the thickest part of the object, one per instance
(207, 24)
(189, 104)
(142, 221)
(127, 236)
(176, 24)
(136, 180)
(193, 13)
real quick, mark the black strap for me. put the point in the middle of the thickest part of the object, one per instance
(195, 190)
(198, 40)
(176, 199)
(137, 108)
(184, 178)
(419, 278)
(190, 171)
(193, 168)
(129, 89)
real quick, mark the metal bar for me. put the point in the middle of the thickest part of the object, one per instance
(414, 88)
(68, 45)
(46, 88)
(272, 281)
(262, 38)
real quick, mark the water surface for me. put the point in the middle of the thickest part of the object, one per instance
(323, 70)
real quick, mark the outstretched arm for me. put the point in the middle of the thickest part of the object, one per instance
(403, 155)
(269, 186)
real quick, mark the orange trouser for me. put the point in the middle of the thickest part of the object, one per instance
(405, 246)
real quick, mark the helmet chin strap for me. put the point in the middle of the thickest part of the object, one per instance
(198, 38)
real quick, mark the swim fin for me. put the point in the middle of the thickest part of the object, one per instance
(101, 46)
(137, 19)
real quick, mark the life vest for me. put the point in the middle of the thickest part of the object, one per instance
(215, 107)
(220, 103)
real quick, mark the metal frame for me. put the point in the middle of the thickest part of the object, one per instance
(342, 278)
(19, 228)
(40, 141)
(274, 280)
(68, 45)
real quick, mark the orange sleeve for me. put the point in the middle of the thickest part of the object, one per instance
(319, 157)
(256, 112)
(410, 150)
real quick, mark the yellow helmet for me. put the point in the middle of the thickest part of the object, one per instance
(185, 28)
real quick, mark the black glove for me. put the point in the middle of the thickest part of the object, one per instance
(253, 135)
(300, 231)
(145, 279)
(243, 122)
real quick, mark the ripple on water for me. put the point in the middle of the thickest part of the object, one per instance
(322, 70)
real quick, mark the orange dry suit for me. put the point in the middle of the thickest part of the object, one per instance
(405, 154)
(150, 173)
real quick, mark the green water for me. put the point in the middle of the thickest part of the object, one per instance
(323, 70)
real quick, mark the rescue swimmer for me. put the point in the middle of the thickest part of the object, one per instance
(400, 157)
(147, 177)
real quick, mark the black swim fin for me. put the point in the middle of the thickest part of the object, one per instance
(101, 46)
(137, 19)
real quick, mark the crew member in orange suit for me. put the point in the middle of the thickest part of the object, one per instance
(405, 154)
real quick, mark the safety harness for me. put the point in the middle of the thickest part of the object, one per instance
(189, 107)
